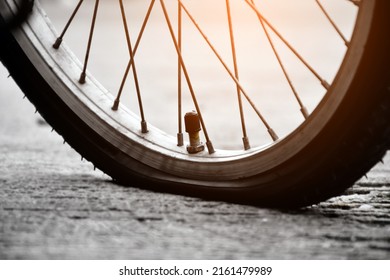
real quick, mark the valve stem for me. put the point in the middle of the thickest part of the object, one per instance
(192, 125)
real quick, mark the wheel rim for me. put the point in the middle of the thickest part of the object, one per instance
(155, 148)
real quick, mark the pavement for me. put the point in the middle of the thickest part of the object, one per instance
(55, 206)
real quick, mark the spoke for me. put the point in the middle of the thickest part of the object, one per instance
(185, 72)
(180, 140)
(356, 2)
(144, 128)
(59, 39)
(270, 130)
(245, 138)
(303, 108)
(130, 63)
(145, 22)
(324, 83)
(83, 74)
(332, 22)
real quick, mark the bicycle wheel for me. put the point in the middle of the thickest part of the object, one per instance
(340, 139)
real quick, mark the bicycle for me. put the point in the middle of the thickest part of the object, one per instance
(338, 139)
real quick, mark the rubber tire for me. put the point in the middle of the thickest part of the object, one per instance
(354, 140)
